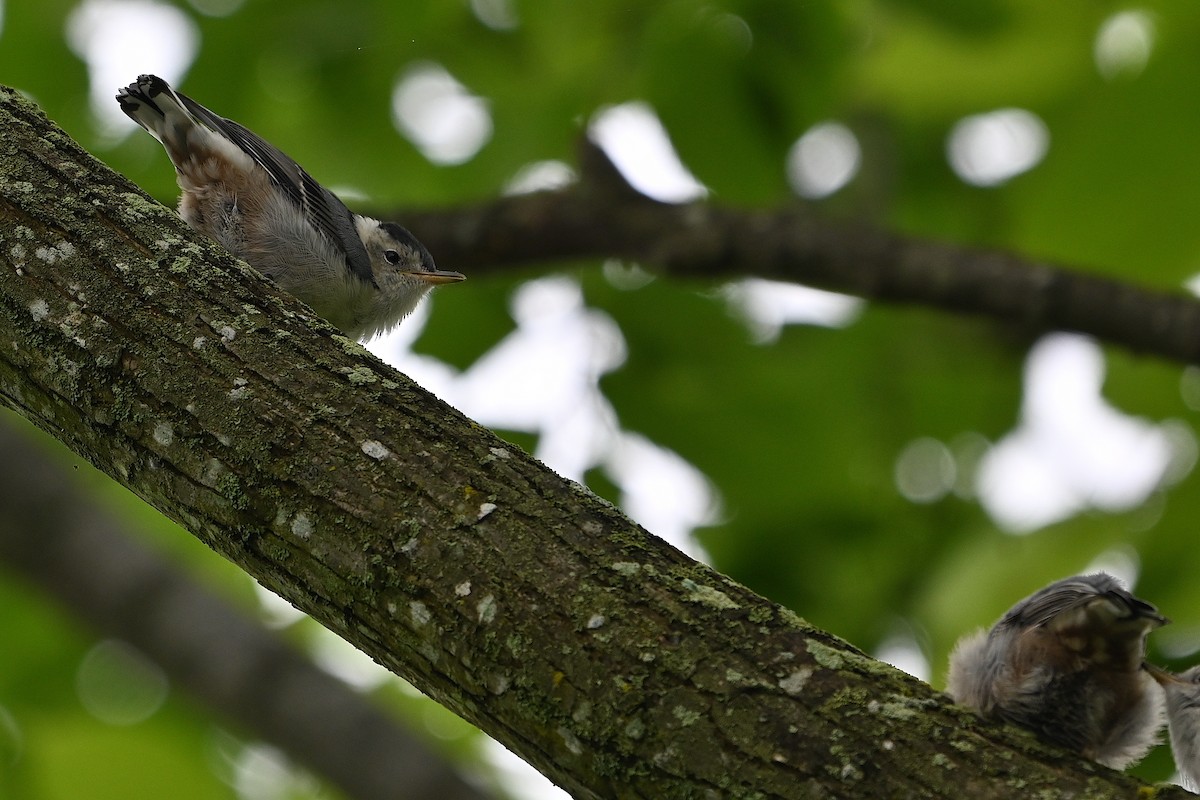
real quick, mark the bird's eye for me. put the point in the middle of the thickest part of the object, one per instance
(392, 256)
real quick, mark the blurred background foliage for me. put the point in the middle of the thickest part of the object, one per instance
(896, 475)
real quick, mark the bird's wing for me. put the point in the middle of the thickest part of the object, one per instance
(1047, 603)
(320, 207)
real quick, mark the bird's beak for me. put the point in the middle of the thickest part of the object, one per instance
(1161, 675)
(438, 276)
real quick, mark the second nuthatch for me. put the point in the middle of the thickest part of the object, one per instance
(1067, 662)
(361, 274)
(1183, 719)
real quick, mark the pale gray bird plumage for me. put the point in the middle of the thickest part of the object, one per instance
(1068, 662)
(1183, 720)
(362, 275)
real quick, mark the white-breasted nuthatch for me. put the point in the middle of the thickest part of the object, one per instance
(1183, 719)
(1067, 662)
(362, 275)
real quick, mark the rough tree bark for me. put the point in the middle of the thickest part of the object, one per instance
(604, 657)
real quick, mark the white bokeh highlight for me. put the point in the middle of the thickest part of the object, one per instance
(274, 611)
(1124, 43)
(627, 276)
(823, 160)
(499, 15)
(344, 661)
(633, 137)
(925, 470)
(661, 491)
(1073, 451)
(990, 149)
(121, 39)
(517, 776)
(118, 685)
(1121, 562)
(439, 115)
(262, 772)
(903, 652)
(766, 307)
(540, 176)
(1189, 387)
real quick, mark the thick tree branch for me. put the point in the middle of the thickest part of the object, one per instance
(53, 535)
(604, 657)
(601, 216)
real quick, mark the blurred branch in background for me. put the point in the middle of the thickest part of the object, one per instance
(602, 216)
(53, 535)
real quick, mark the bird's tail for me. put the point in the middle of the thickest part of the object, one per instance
(168, 116)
